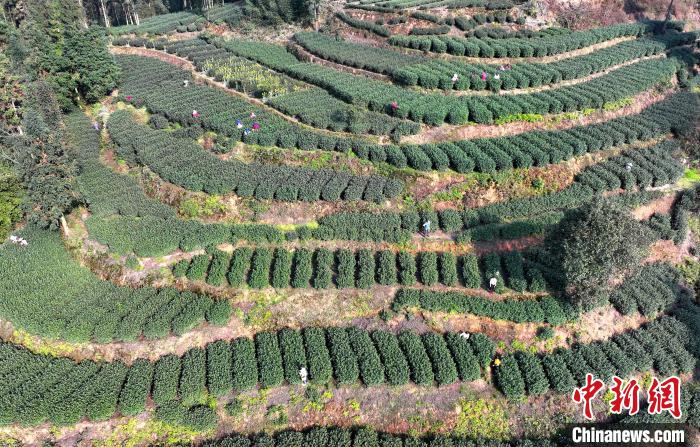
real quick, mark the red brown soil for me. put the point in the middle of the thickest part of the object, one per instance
(455, 133)
(187, 65)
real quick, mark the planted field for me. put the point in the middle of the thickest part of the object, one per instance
(389, 223)
(54, 306)
(64, 392)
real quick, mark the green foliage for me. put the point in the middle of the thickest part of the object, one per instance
(465, 360)
(240, 264)
(219, 368)
(132, 399)
(196, 417)
(323, 269)
(418, 360)
(269, 359)
(448, 269)
(345, 261)
(10, 199)
(441, 358)
(244, 366)
(320, 368)
(192, 387)
(198, 267)
(427, 268)
(365, 269)
(281, 268)
(509, 378)
(471, 275)
(594, 243)
(407, 268)
(346, 369)
(369, 363)
(395, 365)
(66, 289)
(386, 267)
(293, 354)
(303, 268)
(260, 268)
(218, 268)
(166, 378)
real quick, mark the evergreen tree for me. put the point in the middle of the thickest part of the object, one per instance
(593, 244)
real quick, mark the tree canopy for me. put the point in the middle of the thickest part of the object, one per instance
(593, 244)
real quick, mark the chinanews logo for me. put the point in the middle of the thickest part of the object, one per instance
(663, 397)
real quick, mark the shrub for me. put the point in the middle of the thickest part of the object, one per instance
(513, 262)
(193, 376)
(365, 269)
(260, 268)
(509, 378)
(386, 267)
(532, 372)
(344, 360)
(320, 368)
(370, 365)
(198, 267)
(302, 271)
(484, 349)
(465, 360)
(166, 375)
(132, 399)
(418, 360)
(443, 364)
(218, 268)
(219, 368)
(240, 263)
(293, 354)
(281, 268)
(395, 365)
(558, 374)
(427, 267)
(407, 268)
(345, 260)
(269, 357)
(323, 276)
(448, 269)
(244, 366)
(471, 274)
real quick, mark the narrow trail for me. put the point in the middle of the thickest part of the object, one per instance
(310, 57)
(353, 35)
(187, 65)
(544, 88)
(448, 132)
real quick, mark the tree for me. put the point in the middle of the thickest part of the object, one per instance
(314, 8)
(593, 244)
(96, 73)
(11, 92)
(10, 200)
(45, 164)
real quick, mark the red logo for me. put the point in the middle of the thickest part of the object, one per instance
(587, 393)
(665, 396)
(626, 397)
(662, 396)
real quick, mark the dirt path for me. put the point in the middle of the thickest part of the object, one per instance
(448, 132)
(307, 56)
(187, 65)
(310, 57)
(380, 42)
(543, 88)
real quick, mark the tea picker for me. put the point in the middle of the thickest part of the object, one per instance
(493, 282)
